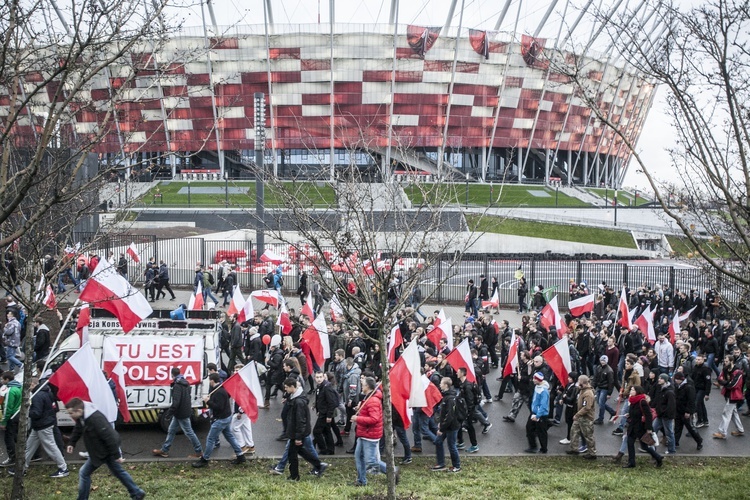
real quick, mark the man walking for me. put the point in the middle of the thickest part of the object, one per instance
(103, 446)
(583, 420)
(298, 430)
(665, 411)
(164, 281)
(220, 405)
(326, 402)
(449, 424)
(604, 382)
(11, 341)
(181, 410)
(369, 422)
(236, 341)
(11, 413)
(536, 425)
(684, 409)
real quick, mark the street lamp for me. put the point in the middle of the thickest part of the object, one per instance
(615, 206)
(467, 189)
(188, 193)
(226, 189)
(260, 139)
(557, 190)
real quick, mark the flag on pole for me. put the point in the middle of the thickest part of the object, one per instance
(494, 300)
(133, 252)
(307, 309)
(432, 395)
(646, 323)
(237, 302)
(244, 388)
(107, 289)
(272, 257)
(395, 340)
(283, 320)
(581, 306)
(118, 376)
(460, 357)
(551, 317)
(511, 364)
(196, 300)
(407, 389)
(316, 336)
(82, 326)
(558, 358)
(270, 297)
(625, 319)
(246, 312)
(674, 325)
(337, 311)
(48, 297)
(81, 377)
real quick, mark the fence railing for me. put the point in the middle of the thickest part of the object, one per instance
(445, 282)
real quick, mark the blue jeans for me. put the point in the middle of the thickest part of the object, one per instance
(451, 436)
(10, 355)
(221, 426)
(207, 293)
(367, 457)
(710, 358)
(115, 467)
(187, 429)
(307, 443)
(601, 398)
(668, 425)
(61, 284)
(403, 438)
(423, 426)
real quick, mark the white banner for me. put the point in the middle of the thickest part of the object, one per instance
(148, 360)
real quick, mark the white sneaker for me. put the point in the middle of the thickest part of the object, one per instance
(83, 454)
(565, 441)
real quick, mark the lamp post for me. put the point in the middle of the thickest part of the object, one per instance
(615, 200)
(188, 193)
(557, 190)
(119, 193)
(226, 189)
(260, 139)
(467, 189)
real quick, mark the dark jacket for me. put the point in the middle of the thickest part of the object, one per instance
(448, 421)
(639, 411)
(685, 398)
(701, 376)
(604, 378)
(42, 343)
(102, 441)
(666, 405)
(163, 273)
(254, 348)
(298, 419)
(219, 403)
(43, 409)
(236, 339)
(275, 361)
(181, 407)
(467, 391)
(326, 399)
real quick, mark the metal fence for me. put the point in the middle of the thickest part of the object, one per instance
(445, 282)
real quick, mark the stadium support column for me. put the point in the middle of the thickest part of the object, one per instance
(332, 9)
(571, 169)
(449, 18)
(503, 12)
(385, 167)
(209, 67)
(260, 139)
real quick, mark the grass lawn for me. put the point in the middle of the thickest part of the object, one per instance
(308, 193)
(501, 195)
(624, 198)
(682, 247)
(480, 478)
(582, 234)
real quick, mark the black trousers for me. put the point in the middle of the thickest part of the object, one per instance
(11, 436)
(294, 451)
(160, 286)
(322, 436)
(470, 430)
(537, 430)
(679, 422)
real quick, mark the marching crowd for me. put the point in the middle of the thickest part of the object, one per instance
(647, 387)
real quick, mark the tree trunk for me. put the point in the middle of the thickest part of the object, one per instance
(23, 418)
(387, 413)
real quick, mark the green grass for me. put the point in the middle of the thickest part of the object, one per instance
(624, 198)
(498, 195)
(480, 478)
(581, 234)
(308, 194)
(681, 247)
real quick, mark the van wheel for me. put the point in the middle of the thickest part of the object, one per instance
(164, 422)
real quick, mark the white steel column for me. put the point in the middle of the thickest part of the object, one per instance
(209, 67)
(267, 25)
(332, 173)
(386, 168)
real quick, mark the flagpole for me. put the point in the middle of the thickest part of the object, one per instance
(368, 397)
(59, 334)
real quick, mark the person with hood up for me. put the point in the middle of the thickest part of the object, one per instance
(298, 431)
(536, 425)
(583, 420)
(9, 422)
(180, 411)
(369, 422)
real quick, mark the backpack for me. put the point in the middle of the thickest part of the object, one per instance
(210, 278)
(458, 412)
(477, 392)
(281, 281)
(268, 280)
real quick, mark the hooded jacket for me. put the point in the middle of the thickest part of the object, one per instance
(586, 404)
(665, 407)
(352, 385)
(181, 404)
(102, 441)
(12, 333)
(12, 401)
(370, 417)
(540, 401)
(43, 411)
(298, 424)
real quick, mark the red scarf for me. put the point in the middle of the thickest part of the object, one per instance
(636, 399)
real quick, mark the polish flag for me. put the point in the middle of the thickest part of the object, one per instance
(48, 297)
(441, 317)
(337, 311)
(244, 388)
(237, 302)
(558, 358)
(270, 297)
(579, 307)
(394, 341)
(443, 330)
(407, 390)
(196, 300)
(625, 320)
(107, 289)
(118, 376)
(646, 323)
(82, 326)
(272, 257)
(432, 394)
(511, 365)
(674, 325)
(316, 336)
(551, 317)
(81, 377)
(133, 252)
(246, 312)
(494, 300)
(460, 357)
(307, 309)
(285, 324)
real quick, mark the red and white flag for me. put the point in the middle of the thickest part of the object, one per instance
(48, 298)
(272, 257)
(82, 326)
(270, 297)
(237, 302)
(106, 288)
(244, 388)
(407, 390)
(395, 340)
(432, 395)
(285, 324)
(133, 252)
(337, 311)
(307, 309)
(625, 319)
(316, 336)
(494, 300)
(581, 306)
(81, 377)
(441, 317)
(558, 358)
(196, 300)
(460, 357)
(646, 323)
(551, 317)
(511, 364)
(247, 312)
(674, 325)
(118, 377)
(444, 329)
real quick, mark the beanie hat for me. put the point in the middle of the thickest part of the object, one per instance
(679, 376)
(538, 376)
(276, 341)
(664, 377)
(604, 358)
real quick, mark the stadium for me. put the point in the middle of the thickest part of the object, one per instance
(405, 99)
